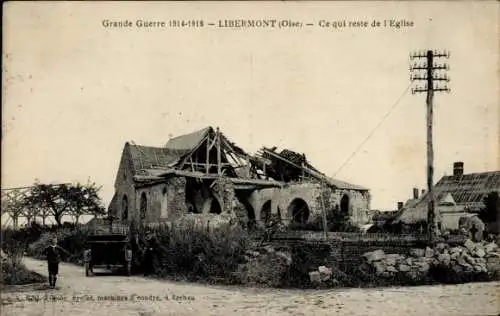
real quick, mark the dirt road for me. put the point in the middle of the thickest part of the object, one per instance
(80, 295)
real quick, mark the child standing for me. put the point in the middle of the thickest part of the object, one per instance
(53, 255)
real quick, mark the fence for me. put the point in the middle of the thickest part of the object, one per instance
(347, 236)
(346, 249)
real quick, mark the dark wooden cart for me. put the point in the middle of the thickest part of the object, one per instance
(109, 251)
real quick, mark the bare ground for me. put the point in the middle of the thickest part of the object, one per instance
(79, 295)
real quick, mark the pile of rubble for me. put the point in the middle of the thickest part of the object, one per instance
(267, 251)
(470, 259)
(323, 274)
(265, 266)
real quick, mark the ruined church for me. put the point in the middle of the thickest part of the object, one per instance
(206, 174)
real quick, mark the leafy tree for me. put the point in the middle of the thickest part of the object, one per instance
(490, 212)
(65, 199)
(12, 204)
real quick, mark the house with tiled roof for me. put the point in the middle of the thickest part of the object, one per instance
(456, 195)
(205, 173)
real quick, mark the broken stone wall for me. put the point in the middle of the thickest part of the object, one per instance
(359, 205)
(198, 195)
(165, 201)
(223, 190)
(258, 198)
(316, 197)
(154, 201)
(124, 187)
(176, 197)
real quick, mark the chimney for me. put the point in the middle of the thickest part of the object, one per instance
(400, 205)
(458, 169)
(415, 193)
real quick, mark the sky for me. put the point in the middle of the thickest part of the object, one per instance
(74, 92)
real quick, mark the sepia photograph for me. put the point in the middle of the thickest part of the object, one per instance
(250, 158)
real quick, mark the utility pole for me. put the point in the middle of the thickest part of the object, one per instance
(429, 72)
(323, 206)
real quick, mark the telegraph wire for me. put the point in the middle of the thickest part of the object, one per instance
(374, 129)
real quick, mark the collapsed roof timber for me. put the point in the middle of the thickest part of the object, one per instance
(209, 154)
(205, 172)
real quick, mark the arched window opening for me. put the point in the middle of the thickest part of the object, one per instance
(344, 204)
(265, 213)
(244, 201)
(215, 207)
(124, 208)
(143, 205)
(194, 198)
(299, 211)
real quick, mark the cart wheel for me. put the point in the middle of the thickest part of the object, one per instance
(129, 268)
(87, 270)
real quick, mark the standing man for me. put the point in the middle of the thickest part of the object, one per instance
(148, 255)
(53, 255)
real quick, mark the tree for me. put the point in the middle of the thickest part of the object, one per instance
(13, 205)
(65, 199)
(490, 212)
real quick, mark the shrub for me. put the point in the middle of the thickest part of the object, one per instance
(198, 253)
(271, 269)
(25, 236)
(71, 240)
(13, 241)
(305, 258)
(15, 273)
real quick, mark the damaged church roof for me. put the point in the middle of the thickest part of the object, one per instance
(288, 165)
(145, 157)
(344, 185)
(152, 163)
(148, 157)
(188, 142)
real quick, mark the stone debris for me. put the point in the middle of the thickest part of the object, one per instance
(472, 258)
(441, 246)
(390, 261)
(269, 249)
(470, 245)
(325, 273)
(374, 255)
(252, 253)
(380, 267)
(429, 252)
(286, 256)
(404, 267)
(417, 252)
(444, 258)
(479, 253)
(315, 277)
(490, 247)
